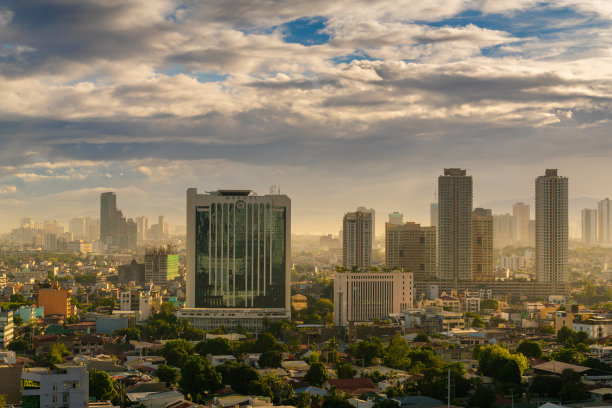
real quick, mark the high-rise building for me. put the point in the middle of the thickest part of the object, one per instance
(131, 231)
(411, 247)
(589, 225)
(357, 239)
(396, 218)
(55, 301)
(143, 227)
(455, 225)
(551, 227)
(604, 221)
(521, 214)
(482, 244)
(433, 214)
(238, 259)
(161, 265)
(78, 227)
(108, 208)
(368, 296)
(132, 272)
(504, 230)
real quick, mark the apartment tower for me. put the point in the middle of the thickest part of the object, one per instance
(589, 226)
(411, 247)
(482, 245)
(357, 239)
(604, 221)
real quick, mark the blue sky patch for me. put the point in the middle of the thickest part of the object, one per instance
(306, 31)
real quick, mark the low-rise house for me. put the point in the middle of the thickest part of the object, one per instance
(354, 386)
(219, 359)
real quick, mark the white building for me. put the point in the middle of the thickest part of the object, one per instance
(67, 386)
(6, 328)
(455, 225)
(596, 326)
(238, 259)
(589, 226)
(367, 296)
(79, 246)
(551, 227)
(604, 221)
(357, 239)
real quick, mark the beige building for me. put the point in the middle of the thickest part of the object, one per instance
(482, 245)
(357, 238)
(368, 296)
(299, 302)
(411, 247)
(520, 212)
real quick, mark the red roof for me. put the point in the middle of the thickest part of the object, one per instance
(351, 383)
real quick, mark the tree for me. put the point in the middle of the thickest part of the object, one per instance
(397, 352)
(18, 321)
(489, 304)
(530, 349)
(238, 375)
(316, 375)
(421, 338)
(21, 346)
(167, 374)
(57, 353)
(217, 346)
(18, 298)
(386, 403)
(482, 397)
(176, 352)
(101, 386)
(301, 400)
(546, 385)
(345, 370)
(188, 332)
(198, 377)
(266, 342)
(394, 391)
(366, 351)
(270, 359)
(497, 362)
(130, 333)
(572, 388)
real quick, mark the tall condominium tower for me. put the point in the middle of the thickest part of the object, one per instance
(161, 265)
(482, 244)
(433, 214)
(411, 247)
(520, 212)
(108, 208)
(604, 221)
(238, 259)
(589, 225)
(455, 225)
(551, 227)
(357, 239)
(504, 230)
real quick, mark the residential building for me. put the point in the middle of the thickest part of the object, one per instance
(482, 245)
(521, 214)
(55, 301)
(433, 319)
(551, 227)
(596, 326)
(411, 247)
(108, 324)
(142, 224)
(161, 264)
(433, 214)
(78, 227)
(357, 239)
(455, 225)
(80, 246)
(299, 302)
(604, 221)
(504, 230)
(6, 327)
(368, 296)
(589, 226)
(65, 386)
(238, 259)
(133, 272)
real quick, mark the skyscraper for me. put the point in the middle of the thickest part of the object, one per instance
(520, 212)
(504, 230)
(551, 227)
(411, 247)
(357, 239)
(238, 259)
(161, 265)
(455, 225)
(604, 221)
(589, 225)
(433, 214)
(482, 244)
(108, 208)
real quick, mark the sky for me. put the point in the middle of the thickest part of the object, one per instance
(338, 103)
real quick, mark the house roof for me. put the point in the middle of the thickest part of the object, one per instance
(351, 383)
(557, 367)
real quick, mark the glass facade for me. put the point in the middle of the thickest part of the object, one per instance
(240, 255)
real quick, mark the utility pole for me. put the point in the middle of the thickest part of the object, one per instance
(449, 388)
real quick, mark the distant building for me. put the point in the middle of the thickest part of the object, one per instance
(6, 328)
(521, 214)
(411, 247)
(433, 214)
(66, 386)
(80, 247)
(504, 230)
(299, 302)
(161, 265)
(368, 296)
(589, 226)
(482, 245)
(455, 225)
(604, 221)
(596, 326)
(133, 272)
(55, 301)
(551, 227)
(357, 239)
(131, 230)
(108, 324)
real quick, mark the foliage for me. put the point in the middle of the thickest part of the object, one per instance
(394, 391)
(301, 400)
(316, 375)
(280, 327)
(482, 397)
(489, 304)
(270, 359)
(279, 391)
(167, 374)
(57, 353)
(397, 352)
(435, 380)
(568, 355)
(345, 370)
(597, 364)
(335, 399)
(565, 334)
(319, 311)
(177, 352)
(101, 386)
(497, 362)
(530, 349)
(546, 385)
(367, 350)
(386, 403)
(17, 320)
(85, 279)
(421, 338)
(375, 375)
(20, 346)
(198, 376)
(217, 346)
(267, 342)
(130, 333)
(573, 388)
(238, 375)
(18, 298)
(423, 357)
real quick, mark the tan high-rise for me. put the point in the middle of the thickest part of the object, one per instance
(482, 245)
(411, 247)
(520, 212)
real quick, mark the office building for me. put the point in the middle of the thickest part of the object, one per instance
(396, 218)
(65, 386)
(161, 265)
(238, 259)
(482, 245)
(78, 227)
(132, 272)
(604, 221)
(143, 228)
(113, 225)
(455, 225)
(411, 247)
(55, 302)
(368, 296)
(521, 214)
(589, 226)
(131, 230)
(551, 227)
(504, 230)
(357, 239)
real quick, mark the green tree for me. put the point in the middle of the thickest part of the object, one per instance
(130, 333)
(530, 349)
(489, 304)
(397, 352)
(301, 400)
(394, 391)
(421, 338)
(101, 386)
(238, 375)
(20, 346)
(386, 403)
(546, 385)
(497, 362)
(266, 342)
(345, 370)
(482, 397)
(57, 353)
(199, 377)
(177, 352)
(18, 298)
(365, 351)
(17, 320)
(316, 375)
(375, 375)
(216, 346)
(270, 359)
(167, 374)
(572, 388)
